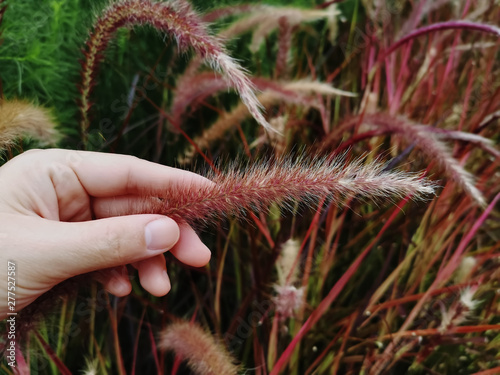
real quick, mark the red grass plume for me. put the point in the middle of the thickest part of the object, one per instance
(173, 18)
(204, 355)
(430, 145)
(430, 142)
(283, 181)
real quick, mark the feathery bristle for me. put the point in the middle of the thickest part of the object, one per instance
(193, 89)
(91, 367)
(204, 355)
(460, 136)
(18, 119)
(305, 86)
(288, 300)
(231, 10)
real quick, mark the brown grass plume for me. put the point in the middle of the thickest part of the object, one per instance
(23, 119)
(204, 355)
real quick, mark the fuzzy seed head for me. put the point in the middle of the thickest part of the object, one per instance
(19, 119)
(464, 269)
(254, 188)
(91, 367)
(286, 263)
(429, 143)
(467, 298)
(204, 355)
(265, 19)
(288, 300)
(303, 92)
(459, 311)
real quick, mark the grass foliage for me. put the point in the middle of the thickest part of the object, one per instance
(333, 284)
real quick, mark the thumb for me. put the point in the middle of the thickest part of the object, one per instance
(77, 248)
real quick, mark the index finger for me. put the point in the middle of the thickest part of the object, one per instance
(105, 175)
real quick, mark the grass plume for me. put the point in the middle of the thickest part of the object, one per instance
(266, 19)
(302, 92)
(204, 355)
(285, 181)
(19, 118)
(285, 264)
(193, 89)
(232, 10)
(430, 143)
(431, 146)
(288, 300)
(173, 18)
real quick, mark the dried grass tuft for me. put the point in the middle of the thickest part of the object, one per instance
(23, 119)
(204, 355)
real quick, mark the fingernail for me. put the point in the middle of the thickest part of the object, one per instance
(161, 234)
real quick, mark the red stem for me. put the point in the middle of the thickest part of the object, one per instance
(334, 292)
(449, 25)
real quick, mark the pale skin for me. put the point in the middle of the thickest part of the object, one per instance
(58, 219)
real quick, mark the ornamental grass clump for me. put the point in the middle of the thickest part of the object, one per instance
(358, 237)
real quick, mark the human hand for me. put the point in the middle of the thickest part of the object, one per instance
(48, 199)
